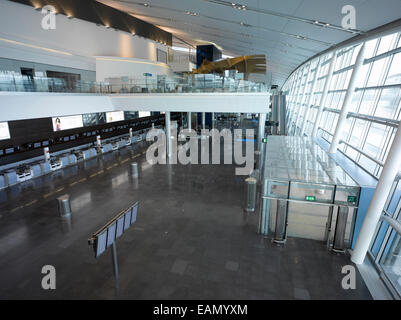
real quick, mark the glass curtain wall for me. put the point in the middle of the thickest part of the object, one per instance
(374, 113)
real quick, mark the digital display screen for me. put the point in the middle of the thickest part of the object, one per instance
(111, 234)
(4, 131)
(101, 243)
(310, 198)
(127, 221)
(66, 123)
(120, 227)
(114, 116)
(134, 214)
(92, 119)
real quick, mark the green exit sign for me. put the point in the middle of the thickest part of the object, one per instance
(351, 199)
(264, 140)
(310, 198)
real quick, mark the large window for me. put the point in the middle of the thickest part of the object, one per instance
(375, 107)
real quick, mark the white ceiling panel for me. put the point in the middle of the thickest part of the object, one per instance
(284, 30)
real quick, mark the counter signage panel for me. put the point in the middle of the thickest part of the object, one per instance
(66, 123)
(4, 131)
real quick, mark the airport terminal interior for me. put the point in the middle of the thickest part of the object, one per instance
(200, 150)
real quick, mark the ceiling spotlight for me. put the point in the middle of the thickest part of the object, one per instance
(107, 27)
(146, 4)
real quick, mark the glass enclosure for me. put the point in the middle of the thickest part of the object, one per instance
(306, 193)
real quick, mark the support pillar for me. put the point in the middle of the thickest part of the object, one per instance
(302, 98)
(308, 103)
(324, 94)
(261, 133)
(189, 116)
(376, 206)
(342, 118)
(203, 120)
(168, 134)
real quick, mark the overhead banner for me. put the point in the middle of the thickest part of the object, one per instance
(114, 116)
(4, 131)
(66, 123)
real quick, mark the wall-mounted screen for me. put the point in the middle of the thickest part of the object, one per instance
(93, 119)
(114, 116)
(66, 123)
(101, 243)
(111, 234)
(127, 221)
(4, 131)
(120, 227)
(134, 213)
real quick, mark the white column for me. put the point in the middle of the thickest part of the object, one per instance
(308, 103)
(295, 105)
(261, 133)
(203, 120)
(376, 206)
(168, 134)
(300, 108)
(189, 116)
(46, 154)
(212, 120)
(294, 99)
(291, 94)
(324, 94)
(342, 118)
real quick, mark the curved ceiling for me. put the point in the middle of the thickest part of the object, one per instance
(287, 31)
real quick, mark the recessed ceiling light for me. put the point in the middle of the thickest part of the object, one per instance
(146, 4)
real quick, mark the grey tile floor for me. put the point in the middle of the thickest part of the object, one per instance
(191, 240)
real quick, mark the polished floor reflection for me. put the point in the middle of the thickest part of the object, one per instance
(191, 240)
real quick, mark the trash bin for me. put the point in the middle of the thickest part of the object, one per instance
(250, 194)
(64, 205)
(134, 169)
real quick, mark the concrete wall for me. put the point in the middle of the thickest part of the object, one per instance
(73, 44)
(24, 105)
(27, 105)
(40, 68)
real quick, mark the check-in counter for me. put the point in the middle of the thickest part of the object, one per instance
(92, 152)
(24, 173)
(127, 141)
(55, 164)
(115, 145)
(65, 160)
(36, 170)
(73, 159)
(10, 177)
(107, 147)
(2, 182)
(79, 155)
(121, 143)
(45, 167)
